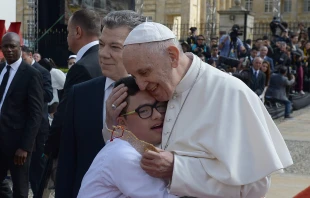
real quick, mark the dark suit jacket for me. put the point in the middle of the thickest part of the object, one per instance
(257, 84)
(82, 137)
(85, 69)
(277, 86)
(21, 111)
(48, 96)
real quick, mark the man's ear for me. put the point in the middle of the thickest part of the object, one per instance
(173, 53)
(79, 31)
(121, 121)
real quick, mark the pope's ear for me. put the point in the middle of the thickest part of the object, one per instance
(174, 53)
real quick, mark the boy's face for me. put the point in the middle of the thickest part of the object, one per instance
(147, 129)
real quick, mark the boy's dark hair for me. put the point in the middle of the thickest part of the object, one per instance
(283, 69)
(132, 86)
(214, 46)
(25, 49)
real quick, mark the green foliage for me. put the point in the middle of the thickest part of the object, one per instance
(64, 70)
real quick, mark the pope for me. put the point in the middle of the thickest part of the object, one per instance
(218, 138)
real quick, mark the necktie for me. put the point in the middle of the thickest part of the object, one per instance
(256, 74)
(4, 81)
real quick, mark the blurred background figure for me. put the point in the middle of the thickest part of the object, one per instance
(37, 56)
(191, 40)
(71, 61)
(58, 78)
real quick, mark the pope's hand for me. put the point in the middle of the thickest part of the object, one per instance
(158, 165)
(115, 99)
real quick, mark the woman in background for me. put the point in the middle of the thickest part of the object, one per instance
(58, 78)
(266, 69)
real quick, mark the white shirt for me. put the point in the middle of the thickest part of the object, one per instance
(224, 141)
(13, 70)
(58, 79)
(86, 47)
(116, 173)
(107, 91)
(32, 62)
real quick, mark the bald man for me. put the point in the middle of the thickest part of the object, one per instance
(21, 108)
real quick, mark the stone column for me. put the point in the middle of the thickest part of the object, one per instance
(160, 11)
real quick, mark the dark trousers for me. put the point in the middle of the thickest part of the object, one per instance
(287, 105)
(37, 166)
(19, 175)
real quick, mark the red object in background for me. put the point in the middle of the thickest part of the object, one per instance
(14, 27)
(304, 194)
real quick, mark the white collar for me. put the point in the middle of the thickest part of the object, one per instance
(16, 64)
(108, 83)
(32, 62)
(86, 47)
(190, 75)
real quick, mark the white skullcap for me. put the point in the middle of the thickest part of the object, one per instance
(149, 32)
(72, 56)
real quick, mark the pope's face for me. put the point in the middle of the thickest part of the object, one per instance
(152, 71)
(148, 129)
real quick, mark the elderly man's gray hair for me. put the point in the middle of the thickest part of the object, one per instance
(121, 18)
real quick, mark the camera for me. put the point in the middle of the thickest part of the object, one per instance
(235, 33)
(276, 27)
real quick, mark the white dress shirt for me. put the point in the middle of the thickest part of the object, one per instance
(13, 70)
(109, 84)
(58, 79)
(224, 141)
(116, 173)
(86, 47)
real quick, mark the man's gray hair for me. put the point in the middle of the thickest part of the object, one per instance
(258, 58)
(263, 47)
(88, 20)
(121, 18)
(161, 46)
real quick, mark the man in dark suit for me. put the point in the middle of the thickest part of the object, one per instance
(21, 105)
(83, 32)
(277, 89)
(263, 54)
(257, 77)
(37, 163)
(82, 136)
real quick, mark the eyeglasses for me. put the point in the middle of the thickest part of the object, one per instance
(146, 111)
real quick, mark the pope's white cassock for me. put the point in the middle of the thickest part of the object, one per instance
(224, 140)
(116, 173)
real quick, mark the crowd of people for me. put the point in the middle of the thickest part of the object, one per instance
(258, 62)
(177, 134)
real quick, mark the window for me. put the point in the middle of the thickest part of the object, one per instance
(249, 5)
(306, 5)
(287, 7)
(268, 5)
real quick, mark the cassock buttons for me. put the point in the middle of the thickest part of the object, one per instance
(174, 97)
(168, 119)
(171, 107)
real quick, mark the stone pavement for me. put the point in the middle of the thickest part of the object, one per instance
(297, 136)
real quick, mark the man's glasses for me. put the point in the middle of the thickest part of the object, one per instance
(146, 111)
